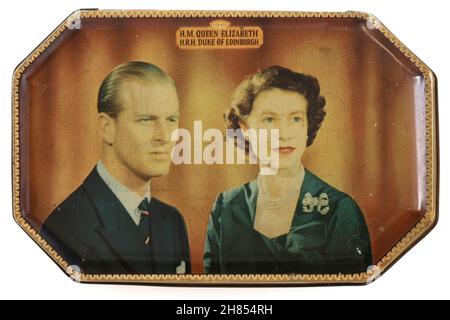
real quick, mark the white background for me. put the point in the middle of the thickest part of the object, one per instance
(26, 272)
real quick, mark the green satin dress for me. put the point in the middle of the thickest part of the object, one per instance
(328, 234)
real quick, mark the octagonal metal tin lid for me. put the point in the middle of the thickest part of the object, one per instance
(196, 147)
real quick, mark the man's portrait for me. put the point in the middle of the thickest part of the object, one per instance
(112, 223)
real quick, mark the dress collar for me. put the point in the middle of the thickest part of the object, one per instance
(129, 199)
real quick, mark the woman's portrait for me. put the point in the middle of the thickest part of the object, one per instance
(292, 221)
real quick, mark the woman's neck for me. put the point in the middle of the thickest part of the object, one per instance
(278, 184)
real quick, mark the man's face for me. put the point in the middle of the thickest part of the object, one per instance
(286, 111)
(142, 131)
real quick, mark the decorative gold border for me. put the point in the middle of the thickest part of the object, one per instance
(415, 234)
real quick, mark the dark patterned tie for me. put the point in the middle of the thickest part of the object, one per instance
(144, 223)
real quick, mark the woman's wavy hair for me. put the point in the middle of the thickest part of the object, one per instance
(276, 77)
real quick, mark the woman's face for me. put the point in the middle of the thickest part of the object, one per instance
(286, 111)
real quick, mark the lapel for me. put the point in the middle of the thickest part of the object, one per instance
(310, 184)
(237, 225)
(117, 228)
(251, 196)
(162, 237)
(308, 229)
(244, 248)
(243, 209)
(243, 245)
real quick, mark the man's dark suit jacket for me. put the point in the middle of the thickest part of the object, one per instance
(91, 229)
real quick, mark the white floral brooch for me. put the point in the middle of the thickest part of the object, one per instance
(322, 203)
